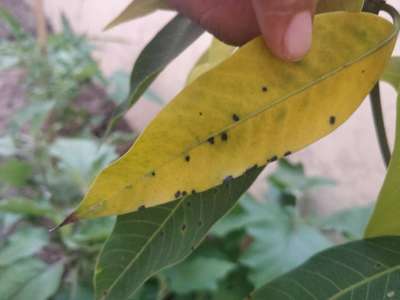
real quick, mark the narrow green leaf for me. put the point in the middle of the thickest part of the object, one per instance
(21, 244)
(137, 9)
(12, 23)
(30, 279)
(146, 241)
(15, 172)
(392, 73)
(27, 207)
(361, 270)
(385, 219)
(172, 40)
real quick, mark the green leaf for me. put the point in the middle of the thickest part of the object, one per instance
(361, 270)
(198, 274)
(137, 9)
(21, 244)
(281, 242)
(82, 159)
(27, 207)
(392, 73)
(335, 5)
(30, 279)
(291, 178)
(385, 218)
(15, 172)
(7, 146)
(149, 240)
(350, 222)
(197, 141)
(171, 41)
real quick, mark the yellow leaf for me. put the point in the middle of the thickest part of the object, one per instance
(137, 9)
(215, 54)
(249, 110)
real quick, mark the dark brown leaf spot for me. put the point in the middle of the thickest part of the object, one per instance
(183, 228)
(177, 194)
(235, 117)
(224, 136)
(332, 120)
(287, 153)
(211, 140)
(264, 88)
(187, 158)
(272, 159)
(184, 193)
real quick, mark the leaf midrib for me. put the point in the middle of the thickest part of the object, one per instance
(364, 281)
(156, 232)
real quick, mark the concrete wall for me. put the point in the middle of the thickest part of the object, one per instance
(350, 155)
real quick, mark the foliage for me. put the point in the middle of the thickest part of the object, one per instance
(51, 152)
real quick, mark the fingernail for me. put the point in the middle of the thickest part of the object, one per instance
(298, 37)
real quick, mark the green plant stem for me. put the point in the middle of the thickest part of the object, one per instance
(379, 123)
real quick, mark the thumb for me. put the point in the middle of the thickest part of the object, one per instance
(286, 26)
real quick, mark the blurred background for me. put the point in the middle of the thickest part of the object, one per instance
(53, 111)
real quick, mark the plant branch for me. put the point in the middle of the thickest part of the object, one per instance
(41, 26)
(374, 6)
(379, 123)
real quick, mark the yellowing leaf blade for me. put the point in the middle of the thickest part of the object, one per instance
(324, 6)
(248, 111)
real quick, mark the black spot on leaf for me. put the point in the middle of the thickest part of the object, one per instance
(193, 192)
(183, 228)
(332, 120)
(287, 153)
(235, 117)
(153, 173)
(200, 113)
(264, 88)
(228, 179)
(272, 159)
(184, 193)
(187, 158)
(224, 136)
(211, 140)
(177, 194)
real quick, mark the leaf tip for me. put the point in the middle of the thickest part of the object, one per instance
(72, 218)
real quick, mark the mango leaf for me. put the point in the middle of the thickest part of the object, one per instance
(171, 41)
(149, 240)
(215, 54)
(137, 9)
(385, 218)
(23, 243)
(186, 278)
(392, 73)
(30, 279)
(367, 269)
(252, 103)
(324, 6)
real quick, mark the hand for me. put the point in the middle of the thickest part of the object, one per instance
(286, 25)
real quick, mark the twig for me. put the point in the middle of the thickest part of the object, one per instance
(41, 26)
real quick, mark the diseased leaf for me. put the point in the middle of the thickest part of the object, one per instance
(252, 103)
(173, 39)
(137, 9)
(30, 279)
(392, 73)
(385, 218)
(149, 240)
(335, 5)
(23, 243)
(361, 270)
(186, 278)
